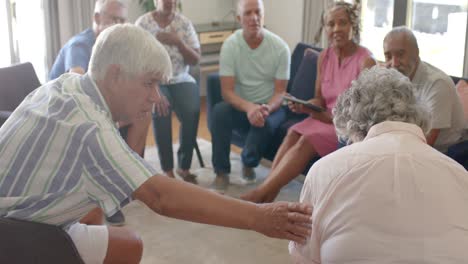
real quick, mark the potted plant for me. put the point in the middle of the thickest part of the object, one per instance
(148, 5)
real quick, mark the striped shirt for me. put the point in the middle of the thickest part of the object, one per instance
(61, 155)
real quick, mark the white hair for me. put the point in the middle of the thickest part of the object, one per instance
(240, 3)
(133, 48)
(100, 5)
(379, 94)
(402, 30)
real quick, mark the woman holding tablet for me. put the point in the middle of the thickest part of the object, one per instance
(338, 65)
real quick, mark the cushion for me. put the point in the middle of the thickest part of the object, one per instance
(303, 86)
(462, 89)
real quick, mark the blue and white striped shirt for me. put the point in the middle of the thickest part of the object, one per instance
(61, 155)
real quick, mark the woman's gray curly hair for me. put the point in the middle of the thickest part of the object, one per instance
(379, 94)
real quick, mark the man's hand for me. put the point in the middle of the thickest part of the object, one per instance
(285, 220)
(161, 107)
(257, 114)
(169, 38)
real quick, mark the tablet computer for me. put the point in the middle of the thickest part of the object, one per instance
(305, 103)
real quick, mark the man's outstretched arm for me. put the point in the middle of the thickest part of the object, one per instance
(283, 220)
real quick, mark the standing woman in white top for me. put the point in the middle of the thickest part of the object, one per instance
(181, 92)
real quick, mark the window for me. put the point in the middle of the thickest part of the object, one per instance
(27, 34)
(377, 20)
(440, 27)
(5, 56)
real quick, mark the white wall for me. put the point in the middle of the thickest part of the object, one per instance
(134, 10)
(284, 18)
(66, 28)
(198, 11)
(207, 11)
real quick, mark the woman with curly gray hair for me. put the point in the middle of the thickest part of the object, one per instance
(389, 197)
(378, 95)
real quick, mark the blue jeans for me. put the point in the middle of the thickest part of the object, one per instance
(225, 119)
(184, 99)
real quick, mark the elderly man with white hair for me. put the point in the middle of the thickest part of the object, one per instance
(389, 197)
(74, 58)
(61, 156)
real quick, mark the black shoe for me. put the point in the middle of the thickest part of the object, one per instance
(118, 219)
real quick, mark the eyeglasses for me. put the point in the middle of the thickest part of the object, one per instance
(114, 19)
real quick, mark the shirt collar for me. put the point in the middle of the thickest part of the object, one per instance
(395, 127)
(90, 88)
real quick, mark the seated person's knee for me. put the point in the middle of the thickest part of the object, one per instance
(125, 246)
(220, 110)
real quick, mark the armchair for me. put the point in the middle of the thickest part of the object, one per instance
(17, 82)
(29, 242)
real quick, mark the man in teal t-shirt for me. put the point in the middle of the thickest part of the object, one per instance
(254, 71)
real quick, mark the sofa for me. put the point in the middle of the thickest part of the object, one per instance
(17, 82)
(459, 152)
(30, 242)
(301, 85)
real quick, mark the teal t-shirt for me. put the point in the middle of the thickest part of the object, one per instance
(255, 70)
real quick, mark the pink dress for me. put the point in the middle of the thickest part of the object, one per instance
(335, 80)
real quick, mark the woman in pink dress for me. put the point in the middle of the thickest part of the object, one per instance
(339, 65)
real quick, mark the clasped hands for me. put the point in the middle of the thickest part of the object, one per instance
(257, 114)
(169, 38)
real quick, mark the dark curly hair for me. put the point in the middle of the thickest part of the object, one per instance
(353, 11)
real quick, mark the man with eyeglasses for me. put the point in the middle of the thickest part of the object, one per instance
(75, 55)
